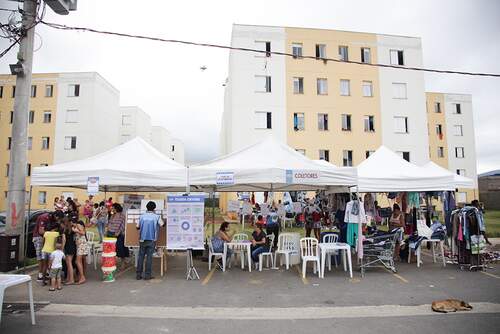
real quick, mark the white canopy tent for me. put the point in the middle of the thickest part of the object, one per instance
(133, 166)
(386, 171)
(459, 180)
(268, 166)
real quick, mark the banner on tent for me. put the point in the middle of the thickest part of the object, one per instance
(224, 178)
(302, 176)
(185, 222)
(92, 185)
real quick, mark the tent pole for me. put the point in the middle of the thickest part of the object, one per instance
(360, 230)
(213, 212)
(26, 230)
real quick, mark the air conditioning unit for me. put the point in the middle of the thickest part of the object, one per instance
(62, 7)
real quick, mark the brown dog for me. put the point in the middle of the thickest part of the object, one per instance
(450, 305)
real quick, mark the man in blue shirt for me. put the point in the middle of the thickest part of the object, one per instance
(148, 226)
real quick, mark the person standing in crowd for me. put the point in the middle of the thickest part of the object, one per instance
(49, 244)
(312, 215)
(259, 242)
(58, 206)
(273, 226)
(116, 229)
(42, 222)
(78, 205)
(148, 226)
(396, 221)
(69, 247)
(102, 219)
(72, 210)
(55, 267)
(82, 250)
(88, 211)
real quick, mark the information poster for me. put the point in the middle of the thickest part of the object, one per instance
(185, 222)
(92, 185)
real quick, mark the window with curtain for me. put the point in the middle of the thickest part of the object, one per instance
(298, 121)
(369, 123)
(263, 83)
(367, 89)
(70, 142)
(297, 50)
(322, 86)
(400, 124)
(343, 53)
(397, 57)
(298, 85)
(346, 122)
(263, 46)
(263, 120)
(324, 155)
(320, 51)
(323, 122)
(345, 89)
(458, 130)
(366, 55)
(347, 158)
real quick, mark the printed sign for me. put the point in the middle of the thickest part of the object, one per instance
(224, 178)
(93, 185)
(185, 222)
(302, 176)
(247, 208)
(233, 206)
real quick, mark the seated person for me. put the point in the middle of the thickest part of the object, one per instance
(259, 242)
(260, 220)
(222, 236)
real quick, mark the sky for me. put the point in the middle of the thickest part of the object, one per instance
(165, 80)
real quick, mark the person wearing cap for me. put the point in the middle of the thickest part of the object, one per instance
(148, 226)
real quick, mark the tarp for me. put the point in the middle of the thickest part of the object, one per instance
(386, 171)
(460, 181)
(132, 166)
(268, 165)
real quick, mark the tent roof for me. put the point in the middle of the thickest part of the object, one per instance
(132, 166)
(263, 166)
(460, 181)
(386, 171)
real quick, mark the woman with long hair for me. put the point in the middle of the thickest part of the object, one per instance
(82, 249)
(69, 246)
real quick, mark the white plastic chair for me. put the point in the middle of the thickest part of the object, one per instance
(425, 231)
(239, 237)
(286, 247)
(212, 253)
(309, 252)
(331, 239)
(269, 254)
(241, 252)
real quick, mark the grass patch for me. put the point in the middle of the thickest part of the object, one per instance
(492, 220)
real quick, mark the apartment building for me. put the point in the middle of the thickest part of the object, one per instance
(336, 111)
(451, 137)
(72, 116)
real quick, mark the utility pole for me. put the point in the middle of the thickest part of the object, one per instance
(18, 156)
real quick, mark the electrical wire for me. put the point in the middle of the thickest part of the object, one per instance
(164, 40)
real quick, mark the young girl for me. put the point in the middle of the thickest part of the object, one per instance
(82, 249)
(55, 266)
(49, 244)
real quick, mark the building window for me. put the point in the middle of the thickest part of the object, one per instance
(7, 168)
(405, 155)
(323, 122)
(458, 130)
(439, 131)
(343, 53)
(71, 116)
(397, 57)
(1, 92)
(320, 51)
(440, 152)
(263, 120)
(461, 172)
(299, 121)
(30, 143)
(13, 92)
(458, 108)
(45, 143)
(73, 90)
(459, 152)
(297, 50)
(44, 165)
(301, 151)
(345, 87)
(322, 86)
(42, 197)
(367, 89)
(263, 46)
(346, 122)
(347, 158)
(399, 90)
(124, 138)
(324, 155)
(9, 143)
(47, 117)
(400, 124)
(11, 117)
(70, 142)
(437, 107)
(368, 154)
(31, 117)
(126, 120)
(263, 84)
(366, 55)
(28, 170)
(49, 90)
(33, 91)
(369, 123)
(298, 85)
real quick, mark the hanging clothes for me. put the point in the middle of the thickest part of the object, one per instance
(354, 214)
(369, 204)
(414, 199)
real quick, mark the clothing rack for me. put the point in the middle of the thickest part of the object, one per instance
(465, 255)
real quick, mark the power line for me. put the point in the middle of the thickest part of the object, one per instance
(159, 39)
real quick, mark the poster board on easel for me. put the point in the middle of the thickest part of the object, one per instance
(132, 233)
